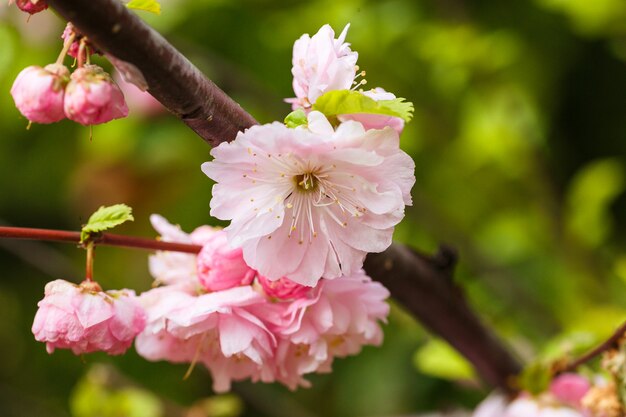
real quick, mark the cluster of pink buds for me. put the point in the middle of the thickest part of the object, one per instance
(88, 96)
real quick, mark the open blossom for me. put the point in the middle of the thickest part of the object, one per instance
(337, 319)
(85, 319)
(92, 97)
(213, 329)
(376, 121)
(321, 63)
(310, 203)
(39, 92)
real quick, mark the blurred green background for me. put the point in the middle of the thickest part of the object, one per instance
(519, 139)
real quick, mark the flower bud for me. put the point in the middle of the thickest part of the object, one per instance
(85, 319)
(92, 97)
(32, 6)
(38, 92)
(570, 388)
(220, 267)
(283, 288)
(75, 47)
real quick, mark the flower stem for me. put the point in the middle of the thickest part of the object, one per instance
(89, 266)
(106, 239)
(66, 47)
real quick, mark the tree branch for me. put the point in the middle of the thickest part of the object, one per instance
(423, 284)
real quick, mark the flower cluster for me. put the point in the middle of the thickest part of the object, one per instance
(217, 311)
(280, 293)
(310, 202)
(569, 395)
(88, 96)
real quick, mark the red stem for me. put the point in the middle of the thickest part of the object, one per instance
(106, 239)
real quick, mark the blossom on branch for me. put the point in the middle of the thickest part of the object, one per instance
(321, 63)
(310, 203)
(85, 319)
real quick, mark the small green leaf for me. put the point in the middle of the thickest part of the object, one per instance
(151, 6)
(439, 359)
(296, 118)
(106, 218)
(339, 102)
(535, 378)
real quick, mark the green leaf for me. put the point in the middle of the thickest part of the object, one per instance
(535, 378)
(439, 359)
(106, 218)
(151, 6)
(339, 102)
(296, 118)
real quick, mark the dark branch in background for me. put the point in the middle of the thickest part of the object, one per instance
(422, 284)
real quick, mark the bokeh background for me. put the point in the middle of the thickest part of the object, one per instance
(519, 139)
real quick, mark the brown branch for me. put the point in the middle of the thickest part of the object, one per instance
(424, 285)
(611, 343)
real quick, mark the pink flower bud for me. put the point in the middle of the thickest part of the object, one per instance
(92, 97)
(32, 6)
(38, 92)
(85, 319)
(570, 388)
(284, 288)
(75, 47)
(220, 267)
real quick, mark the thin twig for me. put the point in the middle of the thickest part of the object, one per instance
(105, 239)
(611, 343)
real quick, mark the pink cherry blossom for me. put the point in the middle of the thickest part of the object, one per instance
(214, 329)
(92, 97)
(39, 92)
(310, 203)
(321, 63)
(376, 121)
(221, 267)
(337, 319)
(85, 319)
(32, 6)
(570, 388)
(283, 288)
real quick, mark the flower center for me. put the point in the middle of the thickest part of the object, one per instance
(306, 182)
